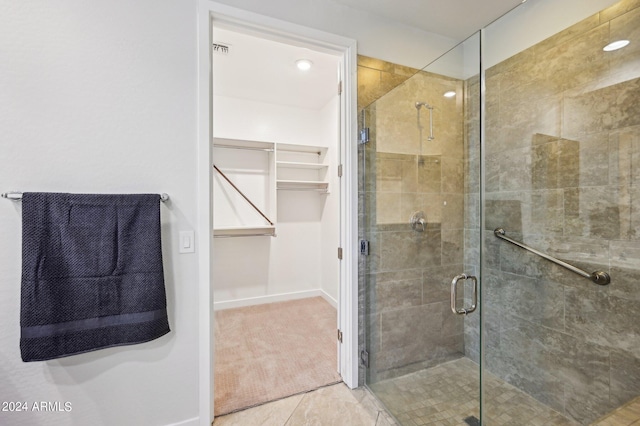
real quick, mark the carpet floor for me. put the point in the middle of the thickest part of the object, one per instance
(271, 351)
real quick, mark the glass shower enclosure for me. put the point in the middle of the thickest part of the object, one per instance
(499, 191)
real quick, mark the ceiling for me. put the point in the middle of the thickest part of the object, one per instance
(456, 19)
(263, 70)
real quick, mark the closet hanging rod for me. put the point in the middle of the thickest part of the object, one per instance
(269, 234)
(250, 148)
(598, 277)
(324, 191)
(17, 196)
(242, 194)
(300, 152)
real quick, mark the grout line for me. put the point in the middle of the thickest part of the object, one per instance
(294, 410)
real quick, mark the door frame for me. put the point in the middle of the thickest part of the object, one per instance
(275, 29)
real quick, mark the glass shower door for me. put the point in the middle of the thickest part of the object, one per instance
(562, 141)
(419, 218)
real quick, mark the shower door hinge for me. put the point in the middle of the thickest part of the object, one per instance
(340, 253)
(340, 170)
(364, 135)
(364, 247)
(340, 88)
(339, 336)
(364, 358)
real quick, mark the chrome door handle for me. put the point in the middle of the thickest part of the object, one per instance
(454, 293)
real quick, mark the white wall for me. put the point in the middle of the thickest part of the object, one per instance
(101, 97)
(246, 119)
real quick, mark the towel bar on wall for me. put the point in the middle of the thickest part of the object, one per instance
(17, 196)
(598, 277)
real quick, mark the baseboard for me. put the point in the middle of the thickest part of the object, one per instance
(333, 302)
(190, 422)
(239, 303)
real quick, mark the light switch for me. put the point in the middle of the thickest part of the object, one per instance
(186, 242)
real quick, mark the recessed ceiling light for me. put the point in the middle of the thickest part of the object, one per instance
(449, 94)
(615, 45)
(303, 64)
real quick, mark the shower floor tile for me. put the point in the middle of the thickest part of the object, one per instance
(449, 393)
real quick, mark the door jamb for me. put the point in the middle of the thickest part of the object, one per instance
(209, 10)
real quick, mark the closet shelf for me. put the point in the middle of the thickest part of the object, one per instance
(319, 150)
(302, 185)
(243, 144)
(240, 231)
(300, 165)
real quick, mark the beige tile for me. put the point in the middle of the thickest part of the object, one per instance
(409, 204)
(376, 64)
(449, 393)
(429, 174)
(452, 175)
(609, 108)
(389, 175)
(333, 405)
(628, 414)
(618, 9)
(433, 206)
(368, 86)
(388, 208)
(452, 211)
(397, 294)
(576, 62)
(626, 62)
(568, 34)
(271, 414)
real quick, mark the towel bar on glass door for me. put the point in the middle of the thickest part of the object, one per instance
(17, 196)
(598, 277)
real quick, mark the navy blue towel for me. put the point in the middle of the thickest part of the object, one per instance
(92, 273)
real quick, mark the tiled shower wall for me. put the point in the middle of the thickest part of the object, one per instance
(407, 274)
(375, 79)
(562, 175)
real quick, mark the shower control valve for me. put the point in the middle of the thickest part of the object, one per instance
(418, 221)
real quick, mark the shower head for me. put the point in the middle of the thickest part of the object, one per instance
(423, 104)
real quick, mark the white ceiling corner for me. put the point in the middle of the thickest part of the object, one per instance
(456, 19)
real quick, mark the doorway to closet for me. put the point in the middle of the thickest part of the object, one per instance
(276, 218)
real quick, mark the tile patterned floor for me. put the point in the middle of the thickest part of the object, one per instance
(627, 415)
(449, 393)
(334, 405)
(442, 395)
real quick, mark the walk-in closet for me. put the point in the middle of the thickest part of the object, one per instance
(276, 217)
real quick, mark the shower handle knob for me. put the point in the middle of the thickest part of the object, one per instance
(418, 221)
